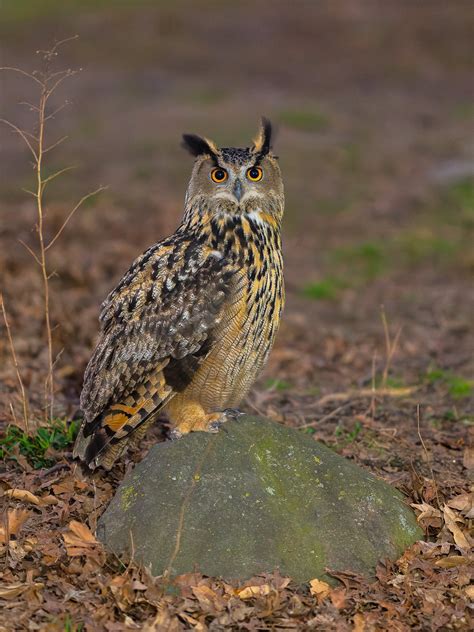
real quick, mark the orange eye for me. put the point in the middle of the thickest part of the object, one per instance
(254, 174)
(219, 175)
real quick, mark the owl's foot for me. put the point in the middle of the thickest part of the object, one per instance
(204, 423)
(174, 434)
(229, 414)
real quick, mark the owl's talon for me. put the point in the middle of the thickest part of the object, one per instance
(175, 434)
(215, 426)
(232, 413)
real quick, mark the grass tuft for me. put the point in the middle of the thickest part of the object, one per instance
(35, 446)
(326, 289)
(458, 386)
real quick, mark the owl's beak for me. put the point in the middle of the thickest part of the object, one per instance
(237, 190)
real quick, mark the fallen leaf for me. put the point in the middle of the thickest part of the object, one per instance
(82, 531)
(468, 458)
(15, 590)
(451, 561)
(23, 495)
(469, 591)
(319, 589)
(359, 623)
(338, 598)
(79, 540)
(28, 497)
(15, 520)
(429, 516)
(459, 538)
(463, 503)
(208, 598)
(253, 591)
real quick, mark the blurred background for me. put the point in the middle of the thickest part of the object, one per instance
(374, 108)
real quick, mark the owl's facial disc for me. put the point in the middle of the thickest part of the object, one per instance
(236, 184)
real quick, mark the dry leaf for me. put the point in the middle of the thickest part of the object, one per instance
(12, 591)
(338, 597)
(451, 561)
(16, 518)
(319, 589)
(208, 598)
(468, 458)
(15, 590)
(28, 497)
(359, 623)
(426, 511)
(459, 538)
(469, 590)
(79, 540)
(253, 591)
(82, 531)
(463, 503)
(23, 495)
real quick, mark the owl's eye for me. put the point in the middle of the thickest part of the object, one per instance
(254, 174)
(219, 175)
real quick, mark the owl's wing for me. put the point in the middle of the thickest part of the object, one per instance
(157, 328)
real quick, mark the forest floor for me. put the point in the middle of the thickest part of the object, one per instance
(375, 354)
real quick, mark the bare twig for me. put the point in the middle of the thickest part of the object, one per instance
(330, 415)
(78, 205)
(19, 131)
(56, 174)
(21, 386)
(22, 72)
(367, 392)
(48, 82)
(390, 347)
(427, 456)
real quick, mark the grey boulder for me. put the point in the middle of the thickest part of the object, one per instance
(256, 497)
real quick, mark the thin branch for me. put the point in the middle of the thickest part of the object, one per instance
(58, 142)
(22, 134)
(390, 347)
(427, 456)
(58, 109)
(55, 86)
(30, 192)
(32, 107)
(16, 365)
(368, 392)
(23, 72)
(56, 174)
(78, 205)
(49, 53)
(326, 417)
(31, 251)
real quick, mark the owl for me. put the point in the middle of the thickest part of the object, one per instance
(190, 325)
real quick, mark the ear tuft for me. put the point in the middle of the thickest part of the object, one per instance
(198, 146)
(263, 141)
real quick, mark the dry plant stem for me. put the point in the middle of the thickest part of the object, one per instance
(428, 458)
(49, 382)
(330, 415)
(390, 347)
(48, 82)
(21, 386)
(367, 392)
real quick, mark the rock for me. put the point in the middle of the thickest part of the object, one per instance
(253, 498)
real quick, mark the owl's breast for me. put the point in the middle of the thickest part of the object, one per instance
(244, 337)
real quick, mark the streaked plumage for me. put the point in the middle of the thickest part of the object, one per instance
(191, 323)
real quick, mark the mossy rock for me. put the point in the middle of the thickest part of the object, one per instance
(254, 498)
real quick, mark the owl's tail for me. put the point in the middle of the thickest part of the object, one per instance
(117, 428)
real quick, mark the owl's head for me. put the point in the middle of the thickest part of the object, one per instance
(232, 180)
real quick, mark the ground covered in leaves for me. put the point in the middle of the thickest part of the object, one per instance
(375, 116)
